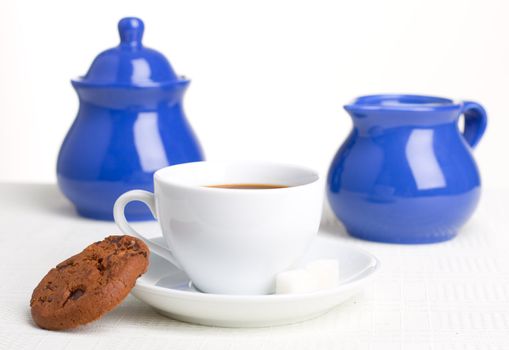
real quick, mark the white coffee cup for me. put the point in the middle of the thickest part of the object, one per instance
(231, 241)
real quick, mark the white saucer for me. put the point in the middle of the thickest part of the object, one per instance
(170, 291)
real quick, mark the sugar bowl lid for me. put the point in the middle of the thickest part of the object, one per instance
(130, 63)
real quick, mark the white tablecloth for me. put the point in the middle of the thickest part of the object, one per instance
(453, 295)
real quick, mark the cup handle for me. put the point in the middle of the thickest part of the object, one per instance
(119, 215)
(475, 122)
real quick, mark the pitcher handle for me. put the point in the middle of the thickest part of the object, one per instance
(119, 215)
(476, 120)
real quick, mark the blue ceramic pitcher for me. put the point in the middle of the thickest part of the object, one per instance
(130, 123)
(406, 173)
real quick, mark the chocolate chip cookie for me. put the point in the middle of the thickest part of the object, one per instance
(87, 285)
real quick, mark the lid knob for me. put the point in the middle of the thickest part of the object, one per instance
(131, 31)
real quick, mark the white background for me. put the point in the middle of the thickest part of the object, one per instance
(269, 78)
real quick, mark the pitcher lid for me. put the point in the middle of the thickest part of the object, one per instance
(130, 63)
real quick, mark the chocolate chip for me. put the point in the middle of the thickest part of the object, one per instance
(115, 239)
(76, 294)
(50, 286)
(100, 265)
(65, 265)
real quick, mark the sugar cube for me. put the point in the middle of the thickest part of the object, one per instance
(318, 274)
(295, 281)
(325, 273)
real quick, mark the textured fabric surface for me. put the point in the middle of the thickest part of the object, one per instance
(452, 295)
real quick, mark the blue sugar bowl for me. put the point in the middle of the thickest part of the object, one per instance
(406, 173)
(130, 123)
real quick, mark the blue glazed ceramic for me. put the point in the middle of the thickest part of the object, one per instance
(406, 173)
(130, 123)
